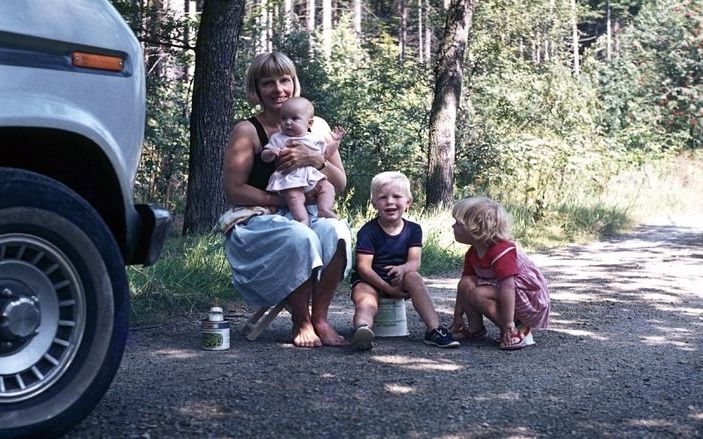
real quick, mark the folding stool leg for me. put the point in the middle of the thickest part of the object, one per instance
(258, 321)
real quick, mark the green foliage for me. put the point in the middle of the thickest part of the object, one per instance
(191, 274)
(653, 92)
(167, 40)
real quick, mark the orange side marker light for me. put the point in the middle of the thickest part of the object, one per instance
(110, 63)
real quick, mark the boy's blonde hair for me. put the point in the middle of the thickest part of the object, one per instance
(485, 220)
(269, 65)
(391, 177)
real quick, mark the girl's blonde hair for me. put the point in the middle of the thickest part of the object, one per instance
(391, 177)
(485, 220)
(269, 65)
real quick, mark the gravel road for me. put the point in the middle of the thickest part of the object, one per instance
(622, 358)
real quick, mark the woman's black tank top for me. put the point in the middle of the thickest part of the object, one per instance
(260, 171)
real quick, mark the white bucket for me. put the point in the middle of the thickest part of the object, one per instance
(391, 319)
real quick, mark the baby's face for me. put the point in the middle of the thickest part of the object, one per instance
(294, 123)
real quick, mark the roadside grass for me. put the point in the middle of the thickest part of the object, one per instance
(193, 273)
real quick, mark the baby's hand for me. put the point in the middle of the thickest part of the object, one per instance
(338, 133)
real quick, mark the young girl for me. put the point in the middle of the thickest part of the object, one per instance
(498, 281)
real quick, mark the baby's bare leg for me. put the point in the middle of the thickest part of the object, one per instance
(325, 199)
(295, 200)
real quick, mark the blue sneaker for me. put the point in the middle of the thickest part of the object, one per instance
(441, 337)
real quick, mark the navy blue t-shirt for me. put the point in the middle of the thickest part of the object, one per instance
(386, 249)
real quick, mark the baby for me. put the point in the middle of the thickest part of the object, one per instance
(297, 117)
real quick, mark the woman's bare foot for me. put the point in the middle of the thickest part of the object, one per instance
(329, 336)
(304, 336)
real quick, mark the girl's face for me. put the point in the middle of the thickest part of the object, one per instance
(274, 91)
(461, 234)
(391, 202)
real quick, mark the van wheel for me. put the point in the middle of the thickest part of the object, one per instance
(64, 306)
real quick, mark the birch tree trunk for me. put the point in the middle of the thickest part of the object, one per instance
(420, 39)
(428, 33)
(447, 95)
(326, 27)
(211, 115)
(403, 31)
(575, 37)
(608, 32)
(356, 19)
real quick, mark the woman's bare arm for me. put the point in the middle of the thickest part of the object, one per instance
(238, 163)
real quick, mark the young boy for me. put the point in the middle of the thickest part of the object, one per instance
(388, 251)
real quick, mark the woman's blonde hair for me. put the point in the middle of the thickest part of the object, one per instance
(269, 65)
(485, 220)
(390, 177)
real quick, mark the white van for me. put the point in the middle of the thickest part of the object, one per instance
(71, 129)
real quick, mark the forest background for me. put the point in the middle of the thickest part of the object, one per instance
(576, 115)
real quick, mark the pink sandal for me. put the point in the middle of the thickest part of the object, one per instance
(518, 340)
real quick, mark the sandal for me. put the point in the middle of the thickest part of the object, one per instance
(518, 340)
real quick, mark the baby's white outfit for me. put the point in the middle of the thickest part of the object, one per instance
(305, 177)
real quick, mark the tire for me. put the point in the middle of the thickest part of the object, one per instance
(64, 270)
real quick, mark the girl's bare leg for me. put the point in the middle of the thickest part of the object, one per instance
(365, 300)
(304, 334)
(295, 200)
(465, 293)
(484, 301)
(322, 297)
(325, 199)
(415, 285)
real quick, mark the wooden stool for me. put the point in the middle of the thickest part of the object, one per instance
(260, 320)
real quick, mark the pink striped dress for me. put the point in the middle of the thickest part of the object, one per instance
(502, 260)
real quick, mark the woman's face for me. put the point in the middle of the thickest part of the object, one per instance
(274, 91)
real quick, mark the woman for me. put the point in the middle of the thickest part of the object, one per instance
(272, 256)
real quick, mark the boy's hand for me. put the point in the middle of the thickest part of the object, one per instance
(396, 273)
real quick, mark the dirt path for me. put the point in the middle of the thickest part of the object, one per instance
(623, 358)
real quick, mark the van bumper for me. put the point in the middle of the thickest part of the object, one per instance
(155, 223)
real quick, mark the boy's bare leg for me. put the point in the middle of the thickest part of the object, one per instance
(295, 200)
(415, 285)
(325, 199)
(365, 300)
(322, 298)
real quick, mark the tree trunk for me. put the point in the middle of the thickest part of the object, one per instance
(447, 95)
(327, 27)
(356, 14)
(420, 42)
(212, 109)
(575, 37)
(428, 33)
(310, 16)
(608, 32)
(403, 31)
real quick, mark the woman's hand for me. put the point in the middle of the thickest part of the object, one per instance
(296, 155)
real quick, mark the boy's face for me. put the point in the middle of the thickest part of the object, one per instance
(295, 120)
(391, 202)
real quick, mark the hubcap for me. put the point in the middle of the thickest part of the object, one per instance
(42, 315)
(19, 317)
